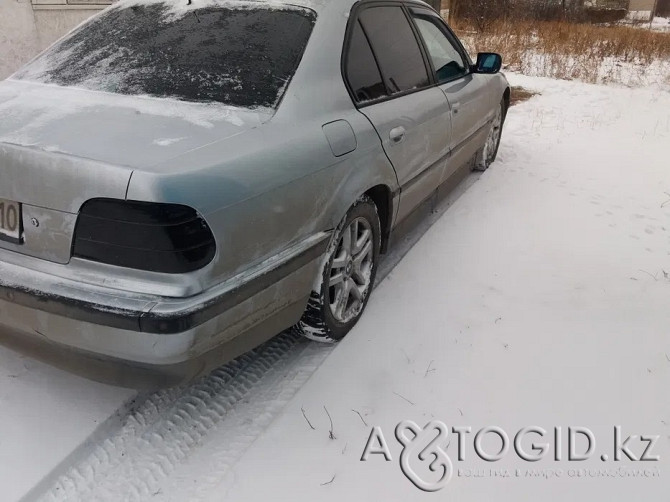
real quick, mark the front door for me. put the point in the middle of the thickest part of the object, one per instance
(463, 89)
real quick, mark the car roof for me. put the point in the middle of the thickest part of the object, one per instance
(178, 6)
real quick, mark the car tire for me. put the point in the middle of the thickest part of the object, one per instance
(488, 153)
(347, 276)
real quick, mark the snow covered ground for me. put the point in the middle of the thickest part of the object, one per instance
(658, 23)
(661, 24)
(46, 414)
(539, 298)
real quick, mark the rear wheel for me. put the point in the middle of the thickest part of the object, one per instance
(347, 276)
(487, 155)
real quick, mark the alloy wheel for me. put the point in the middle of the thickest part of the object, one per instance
(493, 138)
(351, 271)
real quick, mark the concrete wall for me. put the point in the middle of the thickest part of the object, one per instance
(643, 5)
(24, 32)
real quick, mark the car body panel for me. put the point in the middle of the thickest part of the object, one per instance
(65, 310)
(47, 234)
(91, 124)
(146, 359)
(57, 181)
(420, 154)
(292, 188)
(470, 116)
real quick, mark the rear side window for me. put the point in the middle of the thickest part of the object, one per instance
(396, 48)
(239, 56)
(362, 70)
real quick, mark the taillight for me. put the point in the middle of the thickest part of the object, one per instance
(168, 238)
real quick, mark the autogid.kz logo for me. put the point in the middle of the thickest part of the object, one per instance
(425, 462)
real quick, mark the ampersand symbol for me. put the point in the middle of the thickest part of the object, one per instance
(422, 444)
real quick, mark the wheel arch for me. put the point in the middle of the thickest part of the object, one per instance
(506, 98)
(382, 196)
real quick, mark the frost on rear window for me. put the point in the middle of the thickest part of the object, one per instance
(237, 56)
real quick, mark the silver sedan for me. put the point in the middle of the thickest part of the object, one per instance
(181, 180)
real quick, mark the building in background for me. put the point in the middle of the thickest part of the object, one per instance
(642, 10)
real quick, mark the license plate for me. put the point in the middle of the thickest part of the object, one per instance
(10, 220)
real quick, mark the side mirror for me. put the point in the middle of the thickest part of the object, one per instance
(488, 62)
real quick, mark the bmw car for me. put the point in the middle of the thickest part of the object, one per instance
(180, 180)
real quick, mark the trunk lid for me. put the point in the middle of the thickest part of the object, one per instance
(127, 131)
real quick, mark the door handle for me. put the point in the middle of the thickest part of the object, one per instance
(397, 134)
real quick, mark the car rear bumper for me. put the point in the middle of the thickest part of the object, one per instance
(173, 336)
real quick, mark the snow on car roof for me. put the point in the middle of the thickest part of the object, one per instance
(179, 8)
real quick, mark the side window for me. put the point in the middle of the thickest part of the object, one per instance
(447, 60)
(361, 68)
(396, 48)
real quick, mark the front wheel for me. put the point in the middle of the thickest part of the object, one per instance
(487, 155)
(347, 276)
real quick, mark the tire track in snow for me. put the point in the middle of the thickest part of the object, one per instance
(164, 429)
(209, 467)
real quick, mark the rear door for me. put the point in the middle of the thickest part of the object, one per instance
(390, 80)
(466, 91)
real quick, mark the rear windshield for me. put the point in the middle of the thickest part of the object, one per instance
(241, 56)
